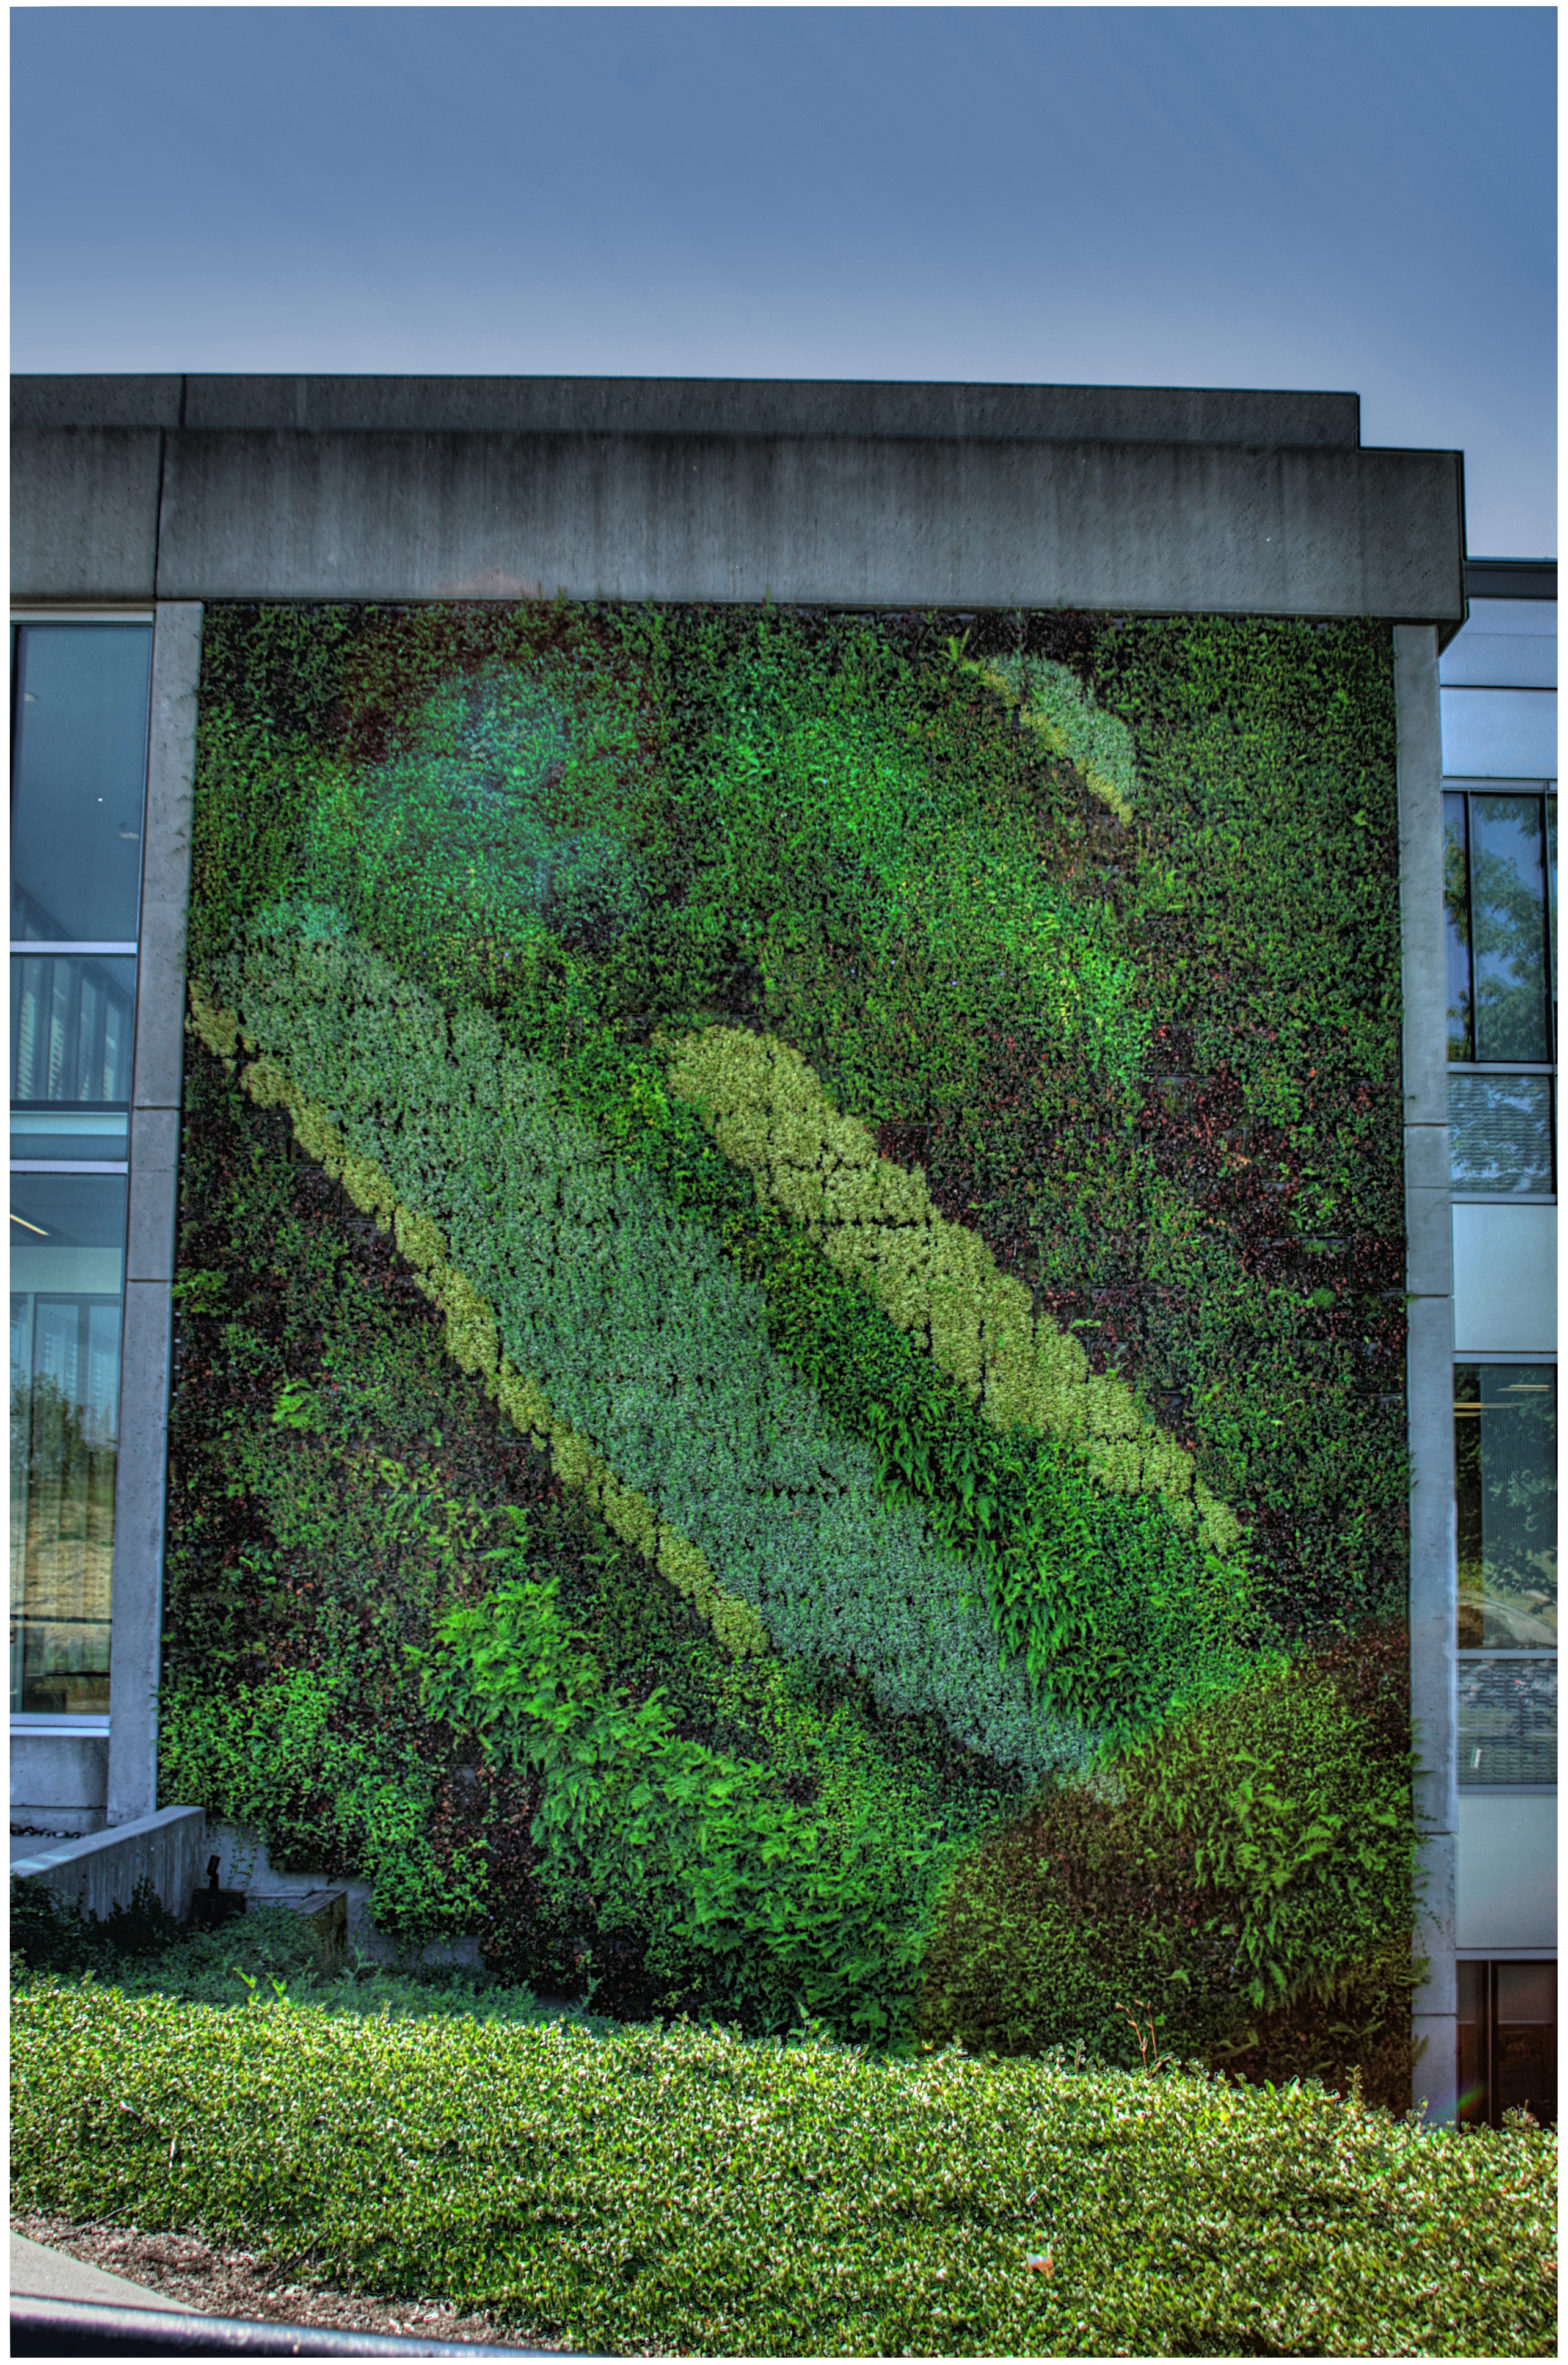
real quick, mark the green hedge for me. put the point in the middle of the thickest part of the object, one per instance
(682, 2190)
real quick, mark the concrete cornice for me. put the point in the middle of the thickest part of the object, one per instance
(830, 514)
(692, 406)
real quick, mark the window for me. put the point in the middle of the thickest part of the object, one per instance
(1507, 2041)
(1505, 1439)
(79, 760)
(1499, 894)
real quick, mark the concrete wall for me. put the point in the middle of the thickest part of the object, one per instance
(137, 1601)
(1119, 499)
(1429, 1359)
(59, 1777)
(105, 1869)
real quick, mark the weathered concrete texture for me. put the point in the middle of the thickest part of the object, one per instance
(1429, 1235)
(137, 1613)
(1429, 1356)
(59, 1780)
(694, 406)
(155, 1183)
(106, 399)
(106, 1868)
(139, 1519)
(171, 773)
(84, 513)
(816, 520)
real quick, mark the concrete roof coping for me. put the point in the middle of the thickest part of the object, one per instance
(694, 406)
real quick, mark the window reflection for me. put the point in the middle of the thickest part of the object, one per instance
(1505, 1425)
(1500, 1133)
(1508, 928)
(1456, 917)
(80, 761)
(67, 1277)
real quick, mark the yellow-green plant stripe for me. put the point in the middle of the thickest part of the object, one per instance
(1053, 704)
(767, 1111)
(473, 1341)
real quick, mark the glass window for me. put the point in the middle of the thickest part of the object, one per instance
(1500, 1132)
(1505, 1436)
(1507, 2041)
(1499, 911)
(1456, 915)
(79, 745)
(72, 1035)
(1507, 1722)
(1508, 928)
(79, 770)
(1500, 734)
(67, 1289)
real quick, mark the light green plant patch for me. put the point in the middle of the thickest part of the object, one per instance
(1053, 704)
(473, 1341)
(874, 1219)
(635, 1327)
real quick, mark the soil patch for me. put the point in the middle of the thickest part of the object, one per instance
(224, 2282)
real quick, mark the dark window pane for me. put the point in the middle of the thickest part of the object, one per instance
(1457, 918)
(1507, 1721)
(78, 781)
(1500, 1132)
(1508, 926)
(1474, 2042)
(1505, 1421)
(67, 1268)
(1527, 1994)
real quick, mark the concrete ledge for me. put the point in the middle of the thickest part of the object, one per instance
(57, 1775)
(84, 513)
(693, 406)
(105, 1868)
(891, 521)
(1121, 499)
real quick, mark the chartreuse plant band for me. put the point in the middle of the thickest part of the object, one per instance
(636, 1329)
(1053, 704)
(874, 1219)
(473, 1340)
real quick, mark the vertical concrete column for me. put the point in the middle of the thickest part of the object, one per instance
(1429, 1285)
(137, 1609)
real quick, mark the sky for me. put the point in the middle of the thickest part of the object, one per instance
(1336, 197)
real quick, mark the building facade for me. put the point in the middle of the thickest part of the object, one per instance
(1224, 661)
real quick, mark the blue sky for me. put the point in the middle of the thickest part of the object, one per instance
(1333, 197)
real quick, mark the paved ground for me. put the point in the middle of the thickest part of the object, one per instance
(181, 2271)
(37, 2273)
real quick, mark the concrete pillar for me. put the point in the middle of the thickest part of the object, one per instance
(1429, 1365)
(137, 1610)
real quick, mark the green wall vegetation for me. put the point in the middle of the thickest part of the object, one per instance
(790, 1357)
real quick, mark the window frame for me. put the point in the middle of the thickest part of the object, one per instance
(86, 1723)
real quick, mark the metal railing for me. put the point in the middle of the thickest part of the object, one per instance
(83, 2328)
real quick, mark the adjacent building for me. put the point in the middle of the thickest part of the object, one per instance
(138, 502)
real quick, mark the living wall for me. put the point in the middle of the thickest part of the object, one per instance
(791, 1330)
